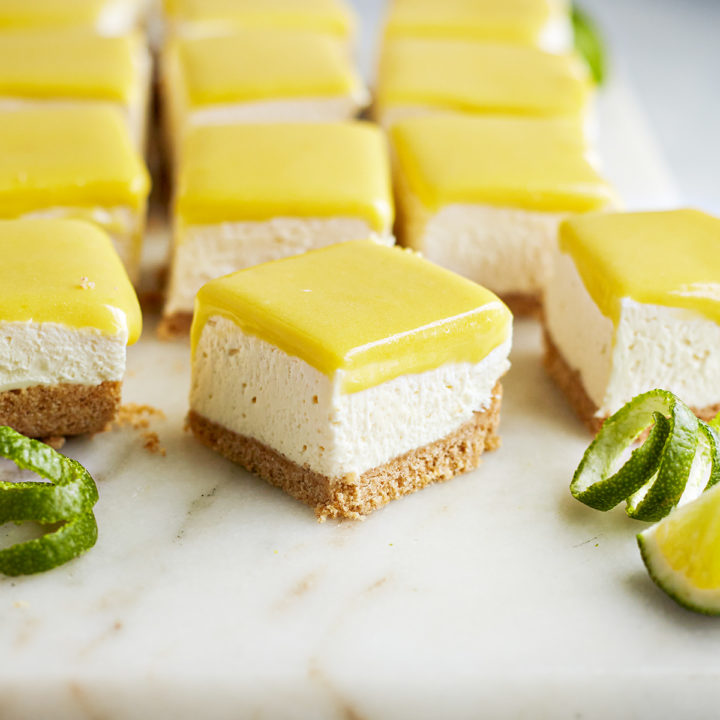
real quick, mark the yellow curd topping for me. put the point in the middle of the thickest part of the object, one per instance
(27, 13)
(68, 63)
(59, 157)
(530, 163)
(513, 21)
(329, 16)
(258, 172)
(481, 77)
(365, 311)
(263, 63)
(67, 272)
(667, 258)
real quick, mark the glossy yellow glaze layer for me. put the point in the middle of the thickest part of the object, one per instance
(52, 157)
(66, 272)
(529, 163)
(513, 21)
(257, 172)
(481, 77)
(330, 16)
(263, 63)
(360, 312)
(68, 63)
(667, 258)
(49, 13)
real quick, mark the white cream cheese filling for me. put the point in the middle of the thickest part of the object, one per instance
(205, 252)
(52, 354)
(254, 389)
(508, 250)
(653, 346)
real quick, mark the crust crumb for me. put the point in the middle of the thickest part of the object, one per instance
(138, 417)
(152, 444)
(55, 441)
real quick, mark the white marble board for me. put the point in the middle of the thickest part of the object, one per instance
(212, 595)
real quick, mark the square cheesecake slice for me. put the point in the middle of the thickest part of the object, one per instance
(67, 313)
(247, 194)
(75, 162)
(484, 195)
(258, 75)
(349, 376)
(105, 17)
(541, 23)
(634, 305)
(48, 68)
(213, 17)
(418, 76)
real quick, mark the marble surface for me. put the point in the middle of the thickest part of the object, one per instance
(210, 594)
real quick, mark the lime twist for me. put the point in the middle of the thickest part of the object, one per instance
(68, 499)
(677, 463)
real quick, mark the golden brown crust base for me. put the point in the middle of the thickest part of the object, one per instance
(55, 411)
(352, 496)
(175, 326)
(524, 304)
(570, 382)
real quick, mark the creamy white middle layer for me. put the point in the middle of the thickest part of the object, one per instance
(653, 346)
(255, 389)
(507, 250)
(205, 252)
(52, 354)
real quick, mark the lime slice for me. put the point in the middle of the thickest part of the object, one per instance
(682, 553)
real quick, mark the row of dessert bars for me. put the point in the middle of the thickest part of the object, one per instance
(74, 97)
(356, 372)
(74, 91)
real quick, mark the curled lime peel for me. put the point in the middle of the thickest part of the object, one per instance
(678, 461)
(67, 498)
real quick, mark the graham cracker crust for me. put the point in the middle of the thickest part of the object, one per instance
(352, 496)
(524, 304)
(570, 383)
(177, 325)
(55, 411)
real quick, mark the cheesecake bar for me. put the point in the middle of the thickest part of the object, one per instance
(634, 305)
(419, 76)
(213, 17)
(67, 314)
(542, 23)
(349, 376)
(76, 67)
(258, 75)
(251, 193)
(484, 195)
(106, 17)
(75, 162)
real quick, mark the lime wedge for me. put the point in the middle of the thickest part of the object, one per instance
(682, 553)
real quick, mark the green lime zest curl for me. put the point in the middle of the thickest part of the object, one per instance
(589, 43)
(679, 460)
(67, 498)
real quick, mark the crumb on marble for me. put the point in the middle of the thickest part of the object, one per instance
(152, 444)
(56, 442)
(21, 604)
(138, 417)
